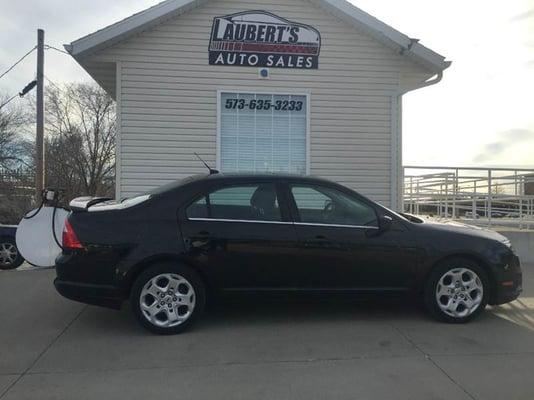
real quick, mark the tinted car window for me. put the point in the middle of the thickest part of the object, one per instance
(330, 206)
(199, 209)
(248, 202)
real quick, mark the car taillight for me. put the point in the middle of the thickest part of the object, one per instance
(70, 240)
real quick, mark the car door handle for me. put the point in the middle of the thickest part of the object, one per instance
(317, 240)
(203, 233)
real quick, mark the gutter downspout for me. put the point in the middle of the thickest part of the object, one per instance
(397, 171)
(430, 82)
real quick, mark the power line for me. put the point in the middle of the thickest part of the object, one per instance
(47, 47)
(22, 58)
(53, 84)
(25, 90)
(63, 90)
(59, 88)
(8, 101)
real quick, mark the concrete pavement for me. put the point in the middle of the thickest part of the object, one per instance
(52, 348)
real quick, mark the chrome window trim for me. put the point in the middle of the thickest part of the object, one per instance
(335, 225)
(281, 223)
(249, 221)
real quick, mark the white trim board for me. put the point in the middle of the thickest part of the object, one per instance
(118, 130)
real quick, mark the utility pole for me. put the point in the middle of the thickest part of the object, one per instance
(39, 137)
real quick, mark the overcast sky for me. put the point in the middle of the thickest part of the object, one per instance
(482, 113)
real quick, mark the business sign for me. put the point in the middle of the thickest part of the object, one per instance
(262, 39)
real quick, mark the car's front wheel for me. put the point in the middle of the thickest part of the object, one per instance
(167, 298)
(10, 257)
(457, 290)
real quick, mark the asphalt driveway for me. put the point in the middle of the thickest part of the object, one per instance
(52, 348)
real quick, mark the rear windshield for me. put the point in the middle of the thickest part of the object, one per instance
(173, 185)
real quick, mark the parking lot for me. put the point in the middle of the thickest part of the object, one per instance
(52, 348)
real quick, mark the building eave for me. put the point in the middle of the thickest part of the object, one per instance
(385, 34)
(130, 26)
(168, 9)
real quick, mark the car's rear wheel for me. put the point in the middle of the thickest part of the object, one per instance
(167, 298)
(10, 257)
(457, 290)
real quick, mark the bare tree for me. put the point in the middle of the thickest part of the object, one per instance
(16, 175)
(12, 143)
(80, 148)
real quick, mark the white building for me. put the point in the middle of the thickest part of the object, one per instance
(303, 86)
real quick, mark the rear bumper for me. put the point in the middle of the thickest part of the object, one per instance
(99, 295)
(88, 277)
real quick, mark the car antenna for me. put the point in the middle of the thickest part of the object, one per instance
(212, 170)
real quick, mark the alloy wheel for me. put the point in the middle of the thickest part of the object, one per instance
(167, 300)
(459, 292)
(8, 253)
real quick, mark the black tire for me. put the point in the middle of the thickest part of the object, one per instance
(431, 285)
(199, 293)
(7, 241)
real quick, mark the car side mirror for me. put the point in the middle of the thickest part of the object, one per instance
(384, 223)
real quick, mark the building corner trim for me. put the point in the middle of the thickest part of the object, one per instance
(397, 170)
(118, 131)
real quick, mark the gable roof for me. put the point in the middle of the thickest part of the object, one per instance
(344, 10)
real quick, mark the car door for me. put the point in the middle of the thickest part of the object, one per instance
(342, 246)
(242, 237)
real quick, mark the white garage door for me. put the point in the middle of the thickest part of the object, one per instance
(263, 132)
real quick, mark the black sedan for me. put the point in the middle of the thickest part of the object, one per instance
(166, 249)
(10, 257)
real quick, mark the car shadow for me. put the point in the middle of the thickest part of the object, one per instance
(237, 328)
(307, 310)
(260, 308)
(223, 312)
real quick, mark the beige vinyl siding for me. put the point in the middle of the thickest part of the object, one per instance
(169, 98)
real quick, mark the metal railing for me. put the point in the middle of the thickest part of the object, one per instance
(480, 196)
(16, 175)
